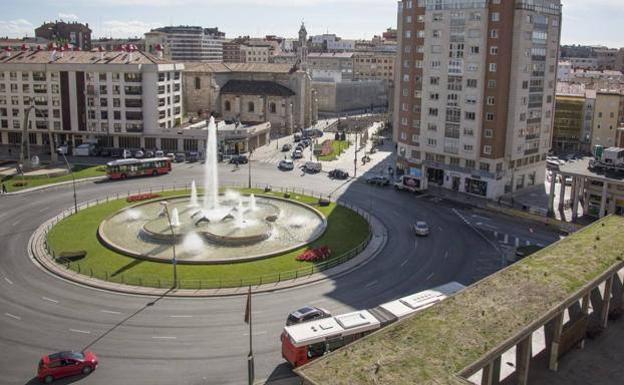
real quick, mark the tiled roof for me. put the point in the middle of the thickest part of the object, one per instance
(238, 67)
(255, 87)
(82, 57)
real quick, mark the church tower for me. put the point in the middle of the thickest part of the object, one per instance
(303, 47)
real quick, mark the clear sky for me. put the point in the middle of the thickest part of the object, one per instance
(585, 21)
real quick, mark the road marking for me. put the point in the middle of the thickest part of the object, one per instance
(180, 316)
(49, 299)
(110, 312)
(517, 242)
(8, 280)
(440, 228)
(506, 240)
(540, 245)
(16, 223)
(164, 338)
(43, 209)
(256, 333)
(480, 217)
(404, 262)
(446, 255)
(13, 316)
(371, 284)
(430, 276)
(80, 331)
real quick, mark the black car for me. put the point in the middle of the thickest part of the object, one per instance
(239, 159)
(193, 157)
(313, 167)
(287, 147)
(379, 180)
(338, 174)
(297, 138)
(306, 314)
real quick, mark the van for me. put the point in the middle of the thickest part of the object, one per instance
(85, 149)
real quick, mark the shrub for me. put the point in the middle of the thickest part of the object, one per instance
(142, 197)
(315, 255)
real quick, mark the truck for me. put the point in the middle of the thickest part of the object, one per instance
(409, 183)
(607, 159)
(85, 149)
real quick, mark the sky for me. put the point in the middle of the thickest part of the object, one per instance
(592, 22)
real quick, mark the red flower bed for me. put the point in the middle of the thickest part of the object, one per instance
(315, 255)
(142, 197)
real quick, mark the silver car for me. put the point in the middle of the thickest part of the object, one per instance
(421, 229)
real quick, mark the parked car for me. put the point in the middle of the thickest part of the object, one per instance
(193, 157)
(104, 152)
(126, 154)
(287, 147)
(297, 138)
(239, 159)
(62, 150)
(65, 364)
(139, 154)
(171, 156)
(85, 149)
(297, 154)
(379, 180)
(306, 314)
(421, 229)
(159, 154)
(286, 165)
(338, 174)
(313, 167)
(306, 142)
(180, 157)
(149, 154)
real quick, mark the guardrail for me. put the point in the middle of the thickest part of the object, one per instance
(157, 282)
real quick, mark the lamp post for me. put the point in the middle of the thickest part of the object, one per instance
(73, 182)
(249, 166)
(165, 206)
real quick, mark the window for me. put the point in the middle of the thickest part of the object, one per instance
(433, 112)
(471, 83)
(494, 33)
(197, 83)
(469, 115)
(251, 107)
(488, 133)
(493, 50)
(474, 49)
(227, 105)
(490, 100)
(492, 67)
(272, 108)
(434, 80)
(495, 16)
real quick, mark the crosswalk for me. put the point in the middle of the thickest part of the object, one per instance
(512, 240)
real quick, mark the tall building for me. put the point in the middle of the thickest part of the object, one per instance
(608, 117)
(74, 33)
(475, 92)
(187, 43)
(120, 99)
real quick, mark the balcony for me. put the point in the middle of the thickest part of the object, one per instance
(133, 90)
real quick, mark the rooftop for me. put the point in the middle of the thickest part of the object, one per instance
(324, 55)
(238, 67)
(81, 57)
(256, 87)
(437, 344)
(581, 168)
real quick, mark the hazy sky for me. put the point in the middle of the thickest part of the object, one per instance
(585, 21)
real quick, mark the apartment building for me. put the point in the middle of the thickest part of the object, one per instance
(608, 117)
(475, 92)
(120, 99)
(61, 32)
(187, 43)
(574, 117)
(375, 65)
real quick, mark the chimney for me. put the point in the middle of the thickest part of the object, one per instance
(159, 51)
(7, 51)
(101, 50)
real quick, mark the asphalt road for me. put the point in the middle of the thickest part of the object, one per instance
(152, 341)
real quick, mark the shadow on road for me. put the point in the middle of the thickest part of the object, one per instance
(120, 323)
(62, 381)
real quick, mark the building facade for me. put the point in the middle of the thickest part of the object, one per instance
(252, 93)
(608, 116)
(375, 65)
(187, 43)
(474, 101)
(119, 99)
(60, 32)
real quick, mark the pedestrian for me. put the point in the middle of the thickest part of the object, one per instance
(4, 189)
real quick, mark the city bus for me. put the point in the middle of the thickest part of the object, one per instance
(302, 343)
(130, 168)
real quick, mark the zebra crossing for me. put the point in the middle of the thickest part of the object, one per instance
(512, 240)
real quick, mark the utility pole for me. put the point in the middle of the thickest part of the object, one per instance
(73, 182)
(249, 164)
(250, 356)
(355, 153)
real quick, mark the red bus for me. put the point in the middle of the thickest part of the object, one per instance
(130, 168)
(304, 342)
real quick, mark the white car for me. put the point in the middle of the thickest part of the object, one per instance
(421, 229)
(159, 154)
(286, 165)
(62, 150)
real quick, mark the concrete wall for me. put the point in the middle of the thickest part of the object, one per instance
(344, 97)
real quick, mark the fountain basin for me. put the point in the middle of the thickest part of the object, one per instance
(241, 232)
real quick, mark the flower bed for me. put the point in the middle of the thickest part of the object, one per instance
(315, 255)
(142, 197)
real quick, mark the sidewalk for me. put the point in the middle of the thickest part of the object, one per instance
(38, 253)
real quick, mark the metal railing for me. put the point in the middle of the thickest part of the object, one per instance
(199, 284)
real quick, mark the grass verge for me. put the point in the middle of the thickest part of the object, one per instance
(339, 146)
(17, 183)
(345, 231)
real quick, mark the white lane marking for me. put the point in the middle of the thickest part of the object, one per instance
(16, 223)
(440, 228)
(80, 331)
(164, 338)
(110, 312)
(404, 262)
(371, 284)
(256, 333)
(480, 217)
(430, 276)
(43, 209)
(8, 280)
(13, 316)
(446, 255)
(180, 316)
(49, 299)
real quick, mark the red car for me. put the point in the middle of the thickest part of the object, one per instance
(64, 364)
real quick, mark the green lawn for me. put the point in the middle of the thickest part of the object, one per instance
(80, 172)
(339, 146)
(346, 230)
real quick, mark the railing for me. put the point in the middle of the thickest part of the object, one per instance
(195, 284)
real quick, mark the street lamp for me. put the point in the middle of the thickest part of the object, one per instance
(71, 172)
(165, 206)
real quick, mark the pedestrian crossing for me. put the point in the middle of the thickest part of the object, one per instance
(512, 240)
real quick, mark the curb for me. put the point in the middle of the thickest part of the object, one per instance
(38, 254)
(54, 185)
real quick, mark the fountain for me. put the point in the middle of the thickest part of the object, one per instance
(220, 229)
(194, 202)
